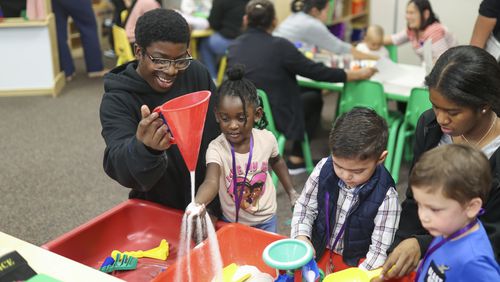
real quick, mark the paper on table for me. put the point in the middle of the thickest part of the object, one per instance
(387, 70)
(399, 75)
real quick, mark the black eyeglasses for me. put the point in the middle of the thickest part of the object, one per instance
(164, 64)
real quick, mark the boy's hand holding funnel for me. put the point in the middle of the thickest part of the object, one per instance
(152, 131)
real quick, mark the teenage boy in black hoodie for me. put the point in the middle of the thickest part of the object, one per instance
(138, 154)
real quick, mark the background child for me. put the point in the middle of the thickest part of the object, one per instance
(247, 151)
(450, 184)
(349, 205)
(135, 11)
(373, 43)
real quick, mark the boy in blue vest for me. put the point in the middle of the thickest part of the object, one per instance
(450, 184)
(349, 206)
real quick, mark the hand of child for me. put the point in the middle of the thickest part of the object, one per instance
(196, 209)
(196, 214)
(305, 239)
(293, 196)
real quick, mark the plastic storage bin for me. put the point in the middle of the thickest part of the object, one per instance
(238, 244)
(130, 226)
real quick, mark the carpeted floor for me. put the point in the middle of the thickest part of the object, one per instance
(51, 176)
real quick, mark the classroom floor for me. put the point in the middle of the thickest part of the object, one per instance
(51, 175)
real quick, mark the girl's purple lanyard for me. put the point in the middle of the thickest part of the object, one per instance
(442, 242)
(341, 231)
(239, 194)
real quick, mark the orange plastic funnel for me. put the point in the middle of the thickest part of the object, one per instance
(185, 116)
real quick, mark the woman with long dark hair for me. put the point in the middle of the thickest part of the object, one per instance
(423, 25)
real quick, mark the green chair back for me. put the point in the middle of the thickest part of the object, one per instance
(417, 104)
(280, 137)
(393, 52)
(271, 126)
(364, 93)
(370, 94)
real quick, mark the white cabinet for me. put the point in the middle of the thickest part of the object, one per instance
(29, 61)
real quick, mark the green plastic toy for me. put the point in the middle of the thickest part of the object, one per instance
(123, 262)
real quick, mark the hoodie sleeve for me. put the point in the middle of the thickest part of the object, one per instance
(296, 62)
(126, 159)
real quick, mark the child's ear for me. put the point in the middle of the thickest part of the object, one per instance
(473, 207)
(258, 114)
(382, 157)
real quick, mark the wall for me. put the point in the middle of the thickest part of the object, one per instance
(458, 15)
(282, 9)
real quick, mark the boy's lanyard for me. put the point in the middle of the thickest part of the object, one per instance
(445, 240)
(341, 231)
(239, 194)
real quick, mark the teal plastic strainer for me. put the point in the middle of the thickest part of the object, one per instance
(287, 254)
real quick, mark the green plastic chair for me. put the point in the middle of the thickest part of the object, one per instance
(370, 94)
(393, 52)
(417, 104)
(306, 149)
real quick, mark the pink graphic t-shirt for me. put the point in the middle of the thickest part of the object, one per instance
(258, 203)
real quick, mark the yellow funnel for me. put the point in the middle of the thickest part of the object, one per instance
(160, 252)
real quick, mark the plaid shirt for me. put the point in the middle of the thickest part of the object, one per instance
(386, 220)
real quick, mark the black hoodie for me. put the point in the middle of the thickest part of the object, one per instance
(160, 177)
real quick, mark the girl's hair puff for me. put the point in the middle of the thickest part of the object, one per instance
(238, 86)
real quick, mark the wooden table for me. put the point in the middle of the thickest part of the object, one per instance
(45, 262)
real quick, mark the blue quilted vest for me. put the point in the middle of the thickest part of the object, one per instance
(359, 223)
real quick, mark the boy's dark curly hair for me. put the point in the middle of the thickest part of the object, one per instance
(161, 25)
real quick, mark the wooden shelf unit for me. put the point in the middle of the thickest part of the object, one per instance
(353, 13)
